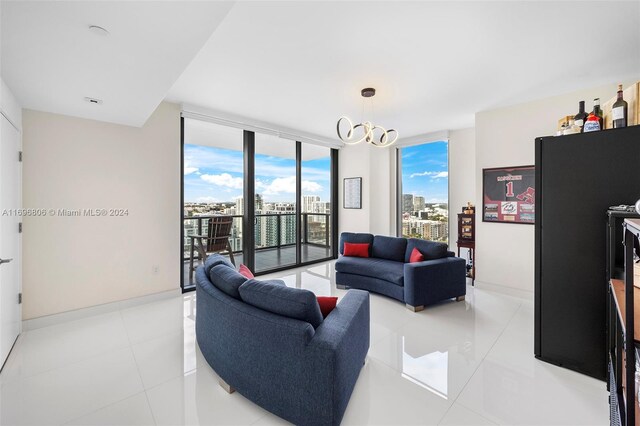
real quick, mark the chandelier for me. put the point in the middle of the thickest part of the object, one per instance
(366, 131)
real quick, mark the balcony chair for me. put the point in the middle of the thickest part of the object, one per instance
(216, 241)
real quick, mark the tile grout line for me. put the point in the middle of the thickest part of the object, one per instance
(49, 370)
(478, 367)
(135, 360)
(102, 408)
(127, 397)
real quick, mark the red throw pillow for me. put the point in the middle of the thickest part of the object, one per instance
(327, 303)
(246, 272)
(416, 256)
(356, 249)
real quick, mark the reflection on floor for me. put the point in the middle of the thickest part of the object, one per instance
(454, 363)
(267, 259)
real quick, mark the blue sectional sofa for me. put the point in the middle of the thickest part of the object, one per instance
(387, 270)
(302, 370)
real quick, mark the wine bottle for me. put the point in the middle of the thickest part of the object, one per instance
(581, 116)
(619, 111)
(594, 120)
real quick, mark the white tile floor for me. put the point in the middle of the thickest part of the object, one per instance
(457, 363)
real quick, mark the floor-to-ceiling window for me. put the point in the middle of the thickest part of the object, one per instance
(212, 184)
(292, 185)
(316, 202)
(424, 197)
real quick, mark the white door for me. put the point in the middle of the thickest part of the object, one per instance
(10, 238)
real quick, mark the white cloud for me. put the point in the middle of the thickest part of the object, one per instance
(189, 170)
(223, 179)
(286, 185)
(433, 175)
(310, 186)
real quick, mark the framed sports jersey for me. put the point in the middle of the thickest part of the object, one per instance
(508, 194)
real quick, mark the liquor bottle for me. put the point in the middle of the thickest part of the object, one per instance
(594, 120)
(619, 111)
(581, 116)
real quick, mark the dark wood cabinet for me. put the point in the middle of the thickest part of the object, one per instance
(467, 239)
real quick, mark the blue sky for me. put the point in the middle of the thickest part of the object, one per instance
(216, 175)
(425, 171)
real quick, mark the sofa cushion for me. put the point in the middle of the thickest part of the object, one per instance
(245, 271)
(351, 237)
(327, 304)
(388, 270)
(356, 249)
(390, 248)
(430, 249)
(227, 279)
(416, 256)
(282, 300)
(216, 259)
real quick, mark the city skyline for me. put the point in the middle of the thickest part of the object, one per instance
(215, 175)
(425, 171)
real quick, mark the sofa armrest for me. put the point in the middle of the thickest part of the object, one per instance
(432, 281)
(335, 355)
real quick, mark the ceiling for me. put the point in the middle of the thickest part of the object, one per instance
(301, 64)
(434, 64)
(51, 61)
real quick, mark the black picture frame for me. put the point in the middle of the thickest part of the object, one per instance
(529, 181)
(352, 193)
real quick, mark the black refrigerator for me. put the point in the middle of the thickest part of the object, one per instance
(578, 177)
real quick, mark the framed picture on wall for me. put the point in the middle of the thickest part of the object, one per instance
(352, 193)
(508, 194)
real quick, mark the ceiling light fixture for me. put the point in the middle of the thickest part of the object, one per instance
(377, 136)
(97, 30)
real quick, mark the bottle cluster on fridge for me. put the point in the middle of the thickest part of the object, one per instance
(594, 121)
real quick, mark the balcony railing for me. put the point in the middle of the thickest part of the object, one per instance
(272, 230)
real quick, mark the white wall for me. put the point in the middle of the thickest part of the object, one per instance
(9, 106)
(74, 163)
(354, 162)
(506, 137)
(377, 168)
(462, 178)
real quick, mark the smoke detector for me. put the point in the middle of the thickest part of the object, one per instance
(93, 101)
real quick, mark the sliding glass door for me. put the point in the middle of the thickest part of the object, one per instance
(275, 203)
(278, 192)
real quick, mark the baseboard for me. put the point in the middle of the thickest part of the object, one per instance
(509, 291)
(77, 314)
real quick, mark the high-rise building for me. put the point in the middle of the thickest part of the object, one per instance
(418, 203)
(407, 203)
(307, 203)
(239, 206)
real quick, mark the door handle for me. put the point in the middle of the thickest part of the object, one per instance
(5, 261)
